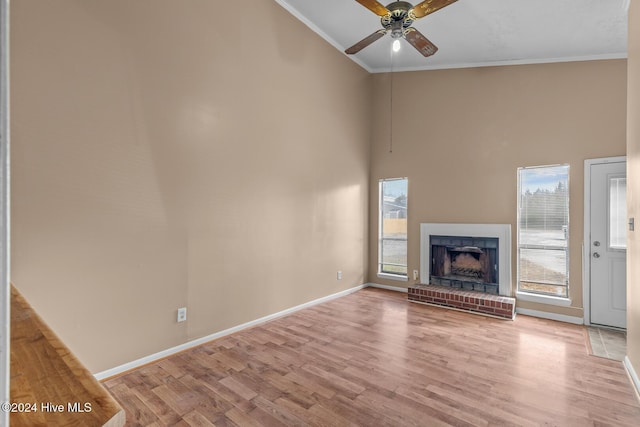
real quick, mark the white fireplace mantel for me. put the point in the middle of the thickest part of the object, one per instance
(500, 231)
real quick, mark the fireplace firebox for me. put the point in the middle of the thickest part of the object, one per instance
(499, 252)
(469, 263)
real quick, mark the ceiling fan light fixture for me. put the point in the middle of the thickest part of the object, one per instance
(397, 18)
(396, 45)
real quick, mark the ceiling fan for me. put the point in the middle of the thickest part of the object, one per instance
(397, 18)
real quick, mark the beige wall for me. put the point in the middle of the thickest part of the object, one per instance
(158, 163)
(460, 135)
(633, 193)
(166, 156)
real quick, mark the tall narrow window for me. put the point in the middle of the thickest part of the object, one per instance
(392, 237)
(543, 230)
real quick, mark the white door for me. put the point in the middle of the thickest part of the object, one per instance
(608, 244)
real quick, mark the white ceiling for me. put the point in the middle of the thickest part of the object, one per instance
(472, 33)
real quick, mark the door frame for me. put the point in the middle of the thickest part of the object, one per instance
(586, 235)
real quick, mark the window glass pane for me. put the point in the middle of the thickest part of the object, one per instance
(393, 226)
(543, 266)
(393, 257)
(543, 230)
(618, 213)
(544, 199)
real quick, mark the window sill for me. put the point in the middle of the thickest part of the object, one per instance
(398, 277)
(543, 299)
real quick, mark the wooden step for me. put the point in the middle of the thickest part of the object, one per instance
(49, 386)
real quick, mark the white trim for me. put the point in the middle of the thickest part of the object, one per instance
(387, 287)
(500, 231)
(543, 299)
(633, 375)
(621, 55)
(194, 343)
(586, 234)
(550, 316)
(5, 213)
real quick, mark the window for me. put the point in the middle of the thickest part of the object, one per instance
(543, 230)
(618, 212)
(392, 235)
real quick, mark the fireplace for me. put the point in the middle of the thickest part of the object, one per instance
(465, 262)
(474, 257)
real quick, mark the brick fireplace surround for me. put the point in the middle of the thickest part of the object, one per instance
(475, 302)
(489, 304)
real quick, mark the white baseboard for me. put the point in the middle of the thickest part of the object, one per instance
(633, 375)
(194, 343)
(550, 316)
(387, 287)
(190, 344)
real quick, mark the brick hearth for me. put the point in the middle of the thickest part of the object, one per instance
(477, 302)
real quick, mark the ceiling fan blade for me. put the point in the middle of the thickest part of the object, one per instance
(374, 7)
(365, 42)
(430, 6)
(420, 42)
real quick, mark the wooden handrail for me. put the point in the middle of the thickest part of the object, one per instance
(49, 386)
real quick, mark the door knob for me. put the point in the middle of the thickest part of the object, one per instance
(596, 255)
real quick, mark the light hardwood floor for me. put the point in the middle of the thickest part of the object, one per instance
(374, 359)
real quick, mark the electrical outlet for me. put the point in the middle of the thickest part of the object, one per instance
(416, 274)
(339, 275)
(182, 314)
